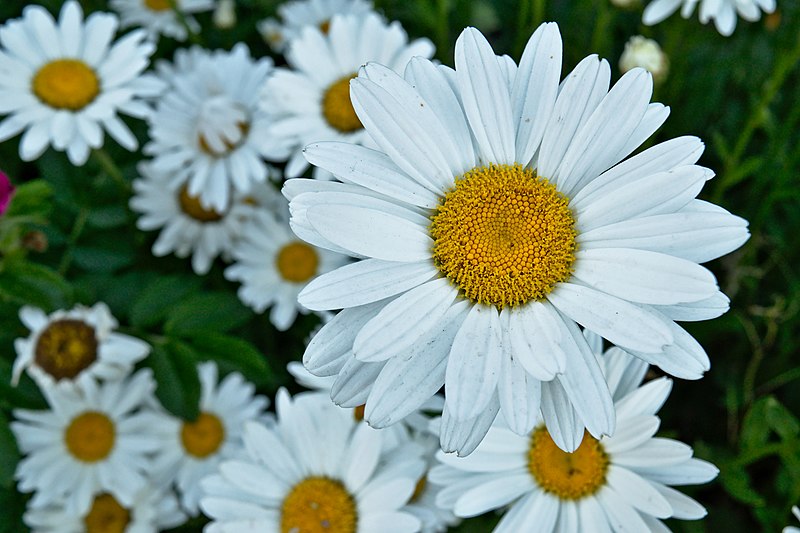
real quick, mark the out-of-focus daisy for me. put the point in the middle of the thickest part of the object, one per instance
(496, 217)
(298, 14)
(647, 54)
(95, 439)
(273, 266)
(620, 482)
(65, 83)
(207, 131)
(311, 100)
(316, 469)
(70, 345)
(152, 510)
(159, 17)
(792, 529)
(192, 450)
(722, 12)
(189, 228)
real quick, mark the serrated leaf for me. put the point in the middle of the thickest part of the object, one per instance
(207, 312)
(155, 300)
(9, 453)
(175, 369)
(30, 283)
(232, 353)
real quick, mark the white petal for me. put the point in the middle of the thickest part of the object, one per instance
(326, 350)
(638, 492)
(683, 507)
(534, 338)
(463, 436)
(519, 393)
(712, 307)
(563, 423)
(492, 495)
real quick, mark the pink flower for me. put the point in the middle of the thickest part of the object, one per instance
(6, 192)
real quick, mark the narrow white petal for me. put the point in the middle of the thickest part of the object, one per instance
(683, 507)
(645, 400)
(354, 382)
(692, 472)
(518, 391)
(535, 339)
(624, 517)
(562, 421)
(623, 372)
(463, 436)
(492, 495)
(638, 492)
(712, 307)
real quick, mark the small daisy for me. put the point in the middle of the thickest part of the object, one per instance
(207, 131)
(315, 470)
(189, 228)
(152, 510)
(95, 439)
(311, 100)
(74, 344)
(64, 84)
(192, 450)
(620, 482)
(723, 12)
(160, 17)
(499, 213)
(298, 14)
(273, 266)
(792, 529)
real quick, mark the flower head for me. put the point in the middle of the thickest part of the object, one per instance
(722, 12)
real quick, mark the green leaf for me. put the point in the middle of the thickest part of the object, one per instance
(202, 313)
(155, 299)
(755, 428)
(30, 283)
(175, 368)
(737, 483)
(108, 258)
(111, 216)
(781, 420)
(13, 504)
(232, 353)
(9, 453)
(31, 199)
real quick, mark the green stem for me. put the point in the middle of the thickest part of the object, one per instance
(77, 229)
(601, 29)
(194, 37)
(107, 163)
(779, 381)
(443, 27)
(775, 448)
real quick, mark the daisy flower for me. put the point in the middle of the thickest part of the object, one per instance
(207, 131)
(94, 439)
(159, 17)
(310, 101)
(499, 213)
(722, 12)
(190, 450)
(75, 344)
(298, 14)
(792, 529)
(151, 510)
(315, 470)
(189, 228)
(63, 84)
(273, 266)
(620, 482)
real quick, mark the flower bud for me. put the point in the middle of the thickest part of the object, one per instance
(647, 54)
(225, 15)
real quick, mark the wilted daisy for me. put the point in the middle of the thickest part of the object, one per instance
(311, 100)
(207, 132)
(316, 469)
(65, 83)
(70, 345)
(159, 17)
(273, 266)
(152, 510)
(94, 439)
(645, 53)
(722, 12)
(190, 450)
(298, 14)
(497, 215)
(189, 228)
(620, 482)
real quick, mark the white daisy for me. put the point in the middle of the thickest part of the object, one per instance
(191, 450)
(152, 510)
(310, 101)
(64, 84)
(95, 439)
(75, 344)
(189, 228)
(723, 12)
(298, 14)
(207, 131)
(619, 483)
(792, 529)
(159, 17)
(273, 266)
(495, 218)
(315, 470)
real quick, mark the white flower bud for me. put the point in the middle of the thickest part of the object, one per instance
(647, 54)
(225, 15)
(626, 4)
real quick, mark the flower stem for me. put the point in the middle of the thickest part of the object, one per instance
(107, 163)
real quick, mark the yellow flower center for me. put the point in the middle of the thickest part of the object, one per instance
(358, 412)
(337, 107)
(192, 207)
(297, 262)
(65, 348)
(503, 235)
(244, 129)
(204, 436)
(90, 436)
(157, 5)
(318, 505)
(107, 516)
(66, 84)
(569, 476)
(325, 26)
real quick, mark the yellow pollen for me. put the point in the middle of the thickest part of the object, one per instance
(244, 129)
(65, 348)
(107, 516)
(318, 505)
(569, 476)
(297, 262)
(325, 26)
(503, 235)
(204, 436)
(90, 436)
(157, 5)
(66, 84)
(337, 107)
(192, 207)
(358, 412)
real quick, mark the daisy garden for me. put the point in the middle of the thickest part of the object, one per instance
(342, 266)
